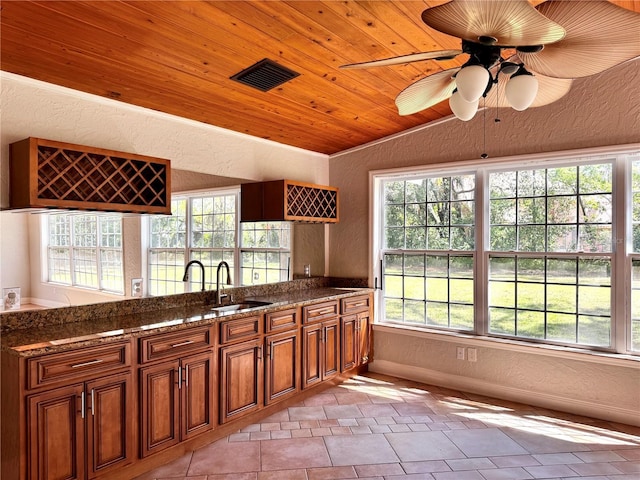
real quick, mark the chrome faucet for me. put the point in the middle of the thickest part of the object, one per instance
(185, 278)
(219, 295)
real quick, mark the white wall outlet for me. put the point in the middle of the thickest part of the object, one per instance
(460, 353)
(472, 354)
(136, 287)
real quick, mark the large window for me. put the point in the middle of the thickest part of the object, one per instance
(537, 251)
(552, 277)
(85, 250)
(428, 232)
(205, 227)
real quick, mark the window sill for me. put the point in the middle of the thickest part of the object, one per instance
(603, 358)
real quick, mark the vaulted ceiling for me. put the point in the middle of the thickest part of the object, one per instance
(178, 56)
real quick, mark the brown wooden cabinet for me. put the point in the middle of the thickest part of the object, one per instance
(320, 352)
(241, 379)
(320, 343)
(60, 421)
(176, 394)
(355, 331)
(46, 173)
(282, 355)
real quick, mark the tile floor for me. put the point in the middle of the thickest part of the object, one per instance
(383, 428)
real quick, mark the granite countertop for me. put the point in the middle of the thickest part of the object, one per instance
(60, 337)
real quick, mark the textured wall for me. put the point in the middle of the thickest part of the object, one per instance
(36, 109)
(599, 111)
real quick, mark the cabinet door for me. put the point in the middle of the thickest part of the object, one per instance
(364, 337)
(241, 379)
(109, 423)
(331, 349)
(159, 406)
(197, 394)
(349, 342)
(56, 434)
(312, 347)
(281, 366)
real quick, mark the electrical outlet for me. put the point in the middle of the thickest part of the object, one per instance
(472, 354)
(460, 353)
(136, 287)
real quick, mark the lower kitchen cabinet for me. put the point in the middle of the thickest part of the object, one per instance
(282, 354)
(320, 352)
(98, 412)
(355, 340)
(176, 401)
(241, 379)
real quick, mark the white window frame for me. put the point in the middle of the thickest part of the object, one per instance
(74, 283)
(621, 242)
(194, 273)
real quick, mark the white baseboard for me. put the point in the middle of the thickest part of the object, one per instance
(482, 387)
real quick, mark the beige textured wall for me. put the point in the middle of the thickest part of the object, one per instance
(599, 111)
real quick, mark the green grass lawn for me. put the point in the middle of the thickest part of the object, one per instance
(571, 313)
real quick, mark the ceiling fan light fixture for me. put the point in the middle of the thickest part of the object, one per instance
(472, 82)
(521, 89)
(462, 109)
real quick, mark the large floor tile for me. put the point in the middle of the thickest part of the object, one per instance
(360, 450)
(294, 453)
(226, 457)
(419, 446)
(484, 443)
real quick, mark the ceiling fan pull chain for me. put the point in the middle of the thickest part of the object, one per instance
(484, 129)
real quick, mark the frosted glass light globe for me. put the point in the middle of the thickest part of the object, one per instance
(462, 109)
(472, 81)
(521, 91)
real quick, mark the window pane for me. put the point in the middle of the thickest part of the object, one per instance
(573, 213)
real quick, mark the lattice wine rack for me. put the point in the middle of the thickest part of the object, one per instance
(288, 200)
(312, 202)
(48, 174)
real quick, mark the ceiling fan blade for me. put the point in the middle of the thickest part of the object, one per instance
(550, 89)
(426, 92)
(599, 36)
(511, 23)
(413, 57)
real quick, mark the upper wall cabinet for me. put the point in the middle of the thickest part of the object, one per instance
(49, 174)
(289, 201)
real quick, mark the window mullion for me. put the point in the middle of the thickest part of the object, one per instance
(481, 256)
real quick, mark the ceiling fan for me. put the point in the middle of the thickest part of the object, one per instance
(558, 41)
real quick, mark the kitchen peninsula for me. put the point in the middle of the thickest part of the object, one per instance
(96, 391)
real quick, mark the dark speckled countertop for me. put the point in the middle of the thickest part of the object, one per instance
(64, 336)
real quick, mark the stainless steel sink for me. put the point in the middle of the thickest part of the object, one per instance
(238, 307)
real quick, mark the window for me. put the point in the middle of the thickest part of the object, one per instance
(556, 285)
(525, 250)
(85, 250)
(265, 252)
(427, 253)
(205, 227)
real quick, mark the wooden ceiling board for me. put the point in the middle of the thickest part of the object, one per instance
(177, 57)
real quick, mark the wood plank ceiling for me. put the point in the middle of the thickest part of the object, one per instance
(177, 57)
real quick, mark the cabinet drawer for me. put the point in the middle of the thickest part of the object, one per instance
(168, 345)
(240, 329)
(319, 311)
(282, 320)
(77, 365)
(354, 304)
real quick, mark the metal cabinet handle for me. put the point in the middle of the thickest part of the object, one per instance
(186, 376)
(82, 405)
(179, 378)
(93, 404)
(182, 344)
(85, 364)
